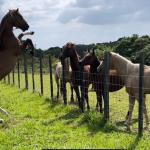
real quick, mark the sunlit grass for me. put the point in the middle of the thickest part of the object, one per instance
(35, 122)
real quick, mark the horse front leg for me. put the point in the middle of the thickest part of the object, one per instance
(131, 106)
(99, 100)
(145, 113)
(76, 89)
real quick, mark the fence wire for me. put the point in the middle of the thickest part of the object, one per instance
(92, 85)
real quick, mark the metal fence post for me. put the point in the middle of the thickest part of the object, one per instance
(33, 81)
(18, 69)
(51, 76)
(63, 82)
(106, 85)
(26, 71)
(41, 74)
(141, 95)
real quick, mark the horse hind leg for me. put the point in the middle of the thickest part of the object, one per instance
(57, 83)
(145, 113)
(4, 111)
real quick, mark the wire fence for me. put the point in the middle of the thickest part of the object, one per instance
(32, 76)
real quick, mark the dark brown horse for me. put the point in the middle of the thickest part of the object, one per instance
(10, 46)
(97, 79)
(70, 51)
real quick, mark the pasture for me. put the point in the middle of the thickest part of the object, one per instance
(36, 122)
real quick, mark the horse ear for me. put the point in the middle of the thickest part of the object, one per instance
(93, 51)
(88, 50)
(61, 49)
(17, 10)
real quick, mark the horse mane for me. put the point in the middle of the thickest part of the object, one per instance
(119, 56)
(2, 25)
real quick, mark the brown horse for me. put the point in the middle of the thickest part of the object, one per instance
(70, 51)
(97, 79)
(10, 46)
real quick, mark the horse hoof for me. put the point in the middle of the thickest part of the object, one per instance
(1, 121)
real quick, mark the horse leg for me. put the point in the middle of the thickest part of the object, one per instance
(145, 113)
(86, 97)
(99, 100)
(72, 98)
(57, 83)
(3, 111)
(76, 89)
(131, 106)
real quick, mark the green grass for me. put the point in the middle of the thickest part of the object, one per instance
(35, 122)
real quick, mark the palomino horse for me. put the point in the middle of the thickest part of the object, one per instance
(69, 51)
(58, 77)
(97, 79)
(129, 72)
(10, 46)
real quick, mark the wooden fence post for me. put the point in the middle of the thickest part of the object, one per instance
(18, 69)
(106, 86)
(51, 77)
(63, 82)
(41, 74)
(141, 94)
(25, 71)
(33, 81)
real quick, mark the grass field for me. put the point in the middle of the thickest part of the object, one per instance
(35, 122)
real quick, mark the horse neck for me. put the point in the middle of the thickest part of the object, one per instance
(66, 64)
(93, 67)
(5, 26)
(122, 66)
(74, 61)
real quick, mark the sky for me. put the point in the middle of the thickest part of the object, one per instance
(56, 22)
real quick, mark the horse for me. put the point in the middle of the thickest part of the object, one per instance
(10, 46)
(70, 51)
(129, 72)
(97, 79)
(58, 77)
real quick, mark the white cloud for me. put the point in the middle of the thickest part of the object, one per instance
(82, 21)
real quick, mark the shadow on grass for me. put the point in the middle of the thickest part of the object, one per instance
(121, 123)
(135, 143)
(70, 116)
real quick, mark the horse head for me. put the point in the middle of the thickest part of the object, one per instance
(90, 59)
(17, 20)
(68, 50)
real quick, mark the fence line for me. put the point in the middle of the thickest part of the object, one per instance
(81, 77)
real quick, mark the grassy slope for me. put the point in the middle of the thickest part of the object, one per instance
(36, 124)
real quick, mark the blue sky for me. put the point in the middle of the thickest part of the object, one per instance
(81, 21)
